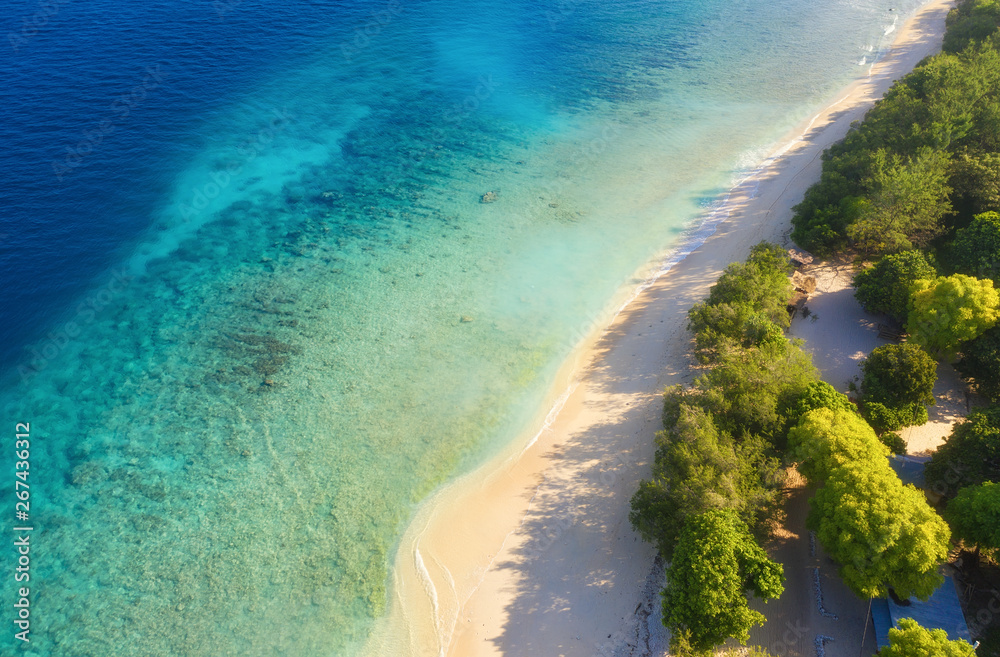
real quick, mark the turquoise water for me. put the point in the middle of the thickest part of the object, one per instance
(320, 322)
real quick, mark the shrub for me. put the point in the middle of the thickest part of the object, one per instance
(882, 533)
(885, 287)
(970, 455)
(980, 363)
(716, 564)
(951, 310)
(898, 376)
(976, 250)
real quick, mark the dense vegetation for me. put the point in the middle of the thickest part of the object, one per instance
(974, 514)
(925, 160)
(885, 288)
(716, 563)
(897, 387)
(970, 456)
(714, 494)
(913, 191)
(717, 474)
(912, 640)
(883, 534)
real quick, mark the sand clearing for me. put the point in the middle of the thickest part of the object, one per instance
(839, 334)
(533, 555)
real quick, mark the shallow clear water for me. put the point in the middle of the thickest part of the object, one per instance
(267, 314)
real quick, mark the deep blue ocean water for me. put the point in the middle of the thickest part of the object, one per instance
(255, 310)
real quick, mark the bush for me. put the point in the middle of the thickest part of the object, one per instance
(894, 442)
(951, 310)
(747, 307)
(821, 394)
(974, 515)
(716, 564)
(976, 250)
(980, 363)
(912, 640)
(754, 392)
(697, 468)
(885, 287)
(970, 455)
(898, 376)
(884, 419)
(825, 439)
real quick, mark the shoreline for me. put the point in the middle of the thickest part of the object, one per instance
(532, 553)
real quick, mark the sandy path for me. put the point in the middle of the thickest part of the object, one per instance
(533, 554)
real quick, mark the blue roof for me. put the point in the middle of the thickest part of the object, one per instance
(941, 611)
(910, 469)
(882, 621)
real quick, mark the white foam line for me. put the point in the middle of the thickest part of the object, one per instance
(695, 239)
(550, 418)
(445, 634)
(428, 583)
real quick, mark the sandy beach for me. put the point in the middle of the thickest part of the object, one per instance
(533, 554)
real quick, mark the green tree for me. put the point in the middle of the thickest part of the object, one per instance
(821, 394)
(907, 201)
(974, 515)
(885, 287)
(971, 21)
(755, 391)
(825, 439)
(980, 363)
(696, 469)
(912, 640)
(716, 564)
(884, 419)
(898, 381)
(948, 311)
(970, 456)
(882, 533)
(762, 282)
(976, 179)
(747, 307)
(976, 249)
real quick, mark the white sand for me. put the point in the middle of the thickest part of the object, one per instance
(533, 554)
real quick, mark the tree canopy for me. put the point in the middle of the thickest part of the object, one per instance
(821, 394)
(715, 565)
(974, 515)
(948, 311)
(898, 375)
(970, 455)
(882, 533)
(912, 640)
(825, 439)
(905, 203)
(924, 160)
(698, 469)
(885, 287)
(971, 21)
(976, 249)
(747, 305)
(980, 363)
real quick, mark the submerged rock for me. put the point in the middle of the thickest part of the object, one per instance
(489, 197)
